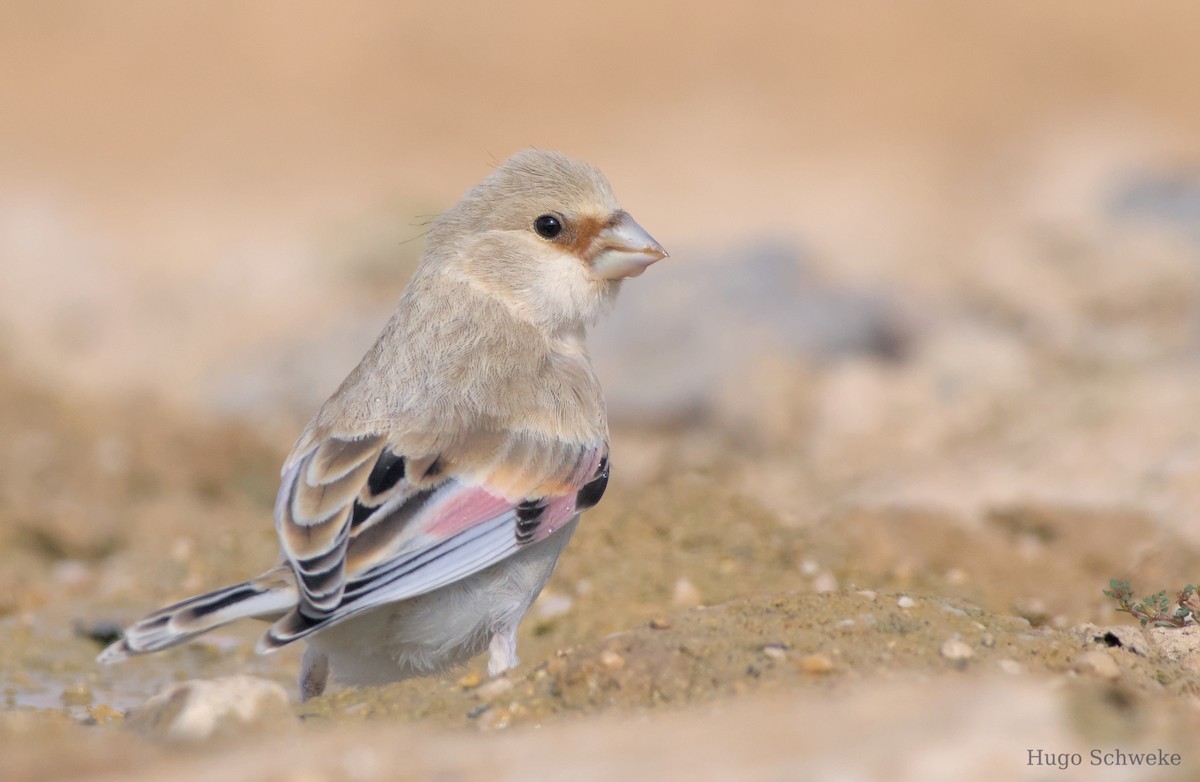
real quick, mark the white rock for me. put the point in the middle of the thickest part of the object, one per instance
(1011, 667)
(196, 709)
(686, 593)
(957, 650)
(1179, 644)
(825, 582)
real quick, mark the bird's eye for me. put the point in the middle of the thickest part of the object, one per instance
(548, 226)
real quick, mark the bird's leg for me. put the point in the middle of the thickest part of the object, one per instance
(502, 650)
(314, 673)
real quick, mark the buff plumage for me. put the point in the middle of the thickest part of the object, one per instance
(423, 509)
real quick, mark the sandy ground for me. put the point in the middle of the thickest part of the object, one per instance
(920, 377)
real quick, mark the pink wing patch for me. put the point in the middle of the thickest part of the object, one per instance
(469, 506)
(558, 512)
(463, 509)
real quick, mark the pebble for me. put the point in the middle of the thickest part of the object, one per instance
(1099, 664)
(906, 602)
(77, 695)
(1011, 667)
(470, 681)
(825, 582)
(660, 623)
(815, 664)
(867, 593)
(494, 719)
(685, 594)
(957, 650)
(611, 660)
(775, 651)
(494, 687)
(196, 709)
(104, 714)
(1032, 609)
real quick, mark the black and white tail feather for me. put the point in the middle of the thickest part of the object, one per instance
(387, 537)
(181, 622)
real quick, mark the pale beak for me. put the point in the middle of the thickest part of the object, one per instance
(625, 250)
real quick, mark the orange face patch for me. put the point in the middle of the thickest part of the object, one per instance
(579, 234)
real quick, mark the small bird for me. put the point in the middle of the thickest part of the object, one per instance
(423, 509)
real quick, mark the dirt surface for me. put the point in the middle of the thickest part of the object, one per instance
(921, 375)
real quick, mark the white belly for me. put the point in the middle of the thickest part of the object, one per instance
(442, 629)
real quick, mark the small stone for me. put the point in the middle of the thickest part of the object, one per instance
(1098, 663)
(957, 650)
(685, 594)
(104, 714)
(494, 687)
(906, 602)
(1011, 667)
(611, 660)
(1033, 609)
(470, 681)
(77, 695)
(660, 623)
(825, 582)
(987, 640)
(869, 594)
(775, 651)
(196, 709)
(809, 567)
(494, 719)
(815, 664)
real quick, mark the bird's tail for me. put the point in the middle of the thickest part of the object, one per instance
(263, 597)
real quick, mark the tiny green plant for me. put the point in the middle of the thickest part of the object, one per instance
(1157, 609)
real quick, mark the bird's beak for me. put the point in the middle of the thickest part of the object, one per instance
(625, 250)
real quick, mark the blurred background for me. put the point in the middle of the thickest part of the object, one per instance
(216, 204)
(929, 260)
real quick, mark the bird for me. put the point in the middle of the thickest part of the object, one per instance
(423, 509)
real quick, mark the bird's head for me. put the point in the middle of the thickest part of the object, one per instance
(544, 232)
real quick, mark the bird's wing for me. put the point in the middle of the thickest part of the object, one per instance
(363, 523)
